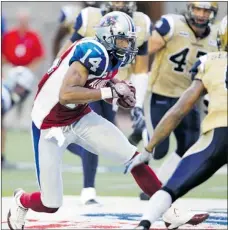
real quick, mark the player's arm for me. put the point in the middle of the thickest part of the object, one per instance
(174, 116)
(76, 35)
(73, 91)
(89, 58)
(162, 33)
(139, 78)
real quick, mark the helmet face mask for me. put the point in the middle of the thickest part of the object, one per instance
(116, 32)
(200, 14)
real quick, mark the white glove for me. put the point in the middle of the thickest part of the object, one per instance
(142, 157)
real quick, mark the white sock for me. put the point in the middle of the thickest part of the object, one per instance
(88, 194)
(168, 167)
(158, 204)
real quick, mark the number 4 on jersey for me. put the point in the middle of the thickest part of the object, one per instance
(180, 59)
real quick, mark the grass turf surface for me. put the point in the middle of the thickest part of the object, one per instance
(19, 149)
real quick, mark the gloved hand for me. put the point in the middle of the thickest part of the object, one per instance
(120, 90)
(137, 116)
(138, 159)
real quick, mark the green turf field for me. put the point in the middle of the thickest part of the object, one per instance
(19, 149)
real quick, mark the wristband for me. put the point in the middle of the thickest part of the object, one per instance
(106, 93)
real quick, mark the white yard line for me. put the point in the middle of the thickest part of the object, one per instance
(115, 212)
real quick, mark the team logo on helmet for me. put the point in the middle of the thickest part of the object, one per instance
(109, 21)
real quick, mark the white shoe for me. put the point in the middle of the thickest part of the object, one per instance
(88, 196)
(175, 218)
(17, 213)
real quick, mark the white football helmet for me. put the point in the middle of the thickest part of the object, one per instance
(113, 28)
(20, 75)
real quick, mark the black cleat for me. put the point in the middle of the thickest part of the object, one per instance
(144, 225)
(135, 138)
(91, 202)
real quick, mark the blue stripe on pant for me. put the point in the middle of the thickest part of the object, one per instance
(36, 139)
(196, 168)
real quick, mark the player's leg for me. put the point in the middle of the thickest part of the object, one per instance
(108, 112)
(186, 133)
(155, 108)
(48, 159)
(89, 165)
(158, 106)
(199, 163)
(102, 137)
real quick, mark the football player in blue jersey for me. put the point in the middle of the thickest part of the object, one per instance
(61, 114)
(137, 73)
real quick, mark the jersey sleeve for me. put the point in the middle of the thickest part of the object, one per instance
(198, 69)
(81, 22)
(143, 49)
(92, 55)
(77, 25)
(62, 17)
(149, 27)
(67, 15)
(165, 27)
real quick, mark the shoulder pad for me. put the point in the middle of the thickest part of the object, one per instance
(92, 55)
(69, 13)
(145, 18)
(87, 13)
(165, 26)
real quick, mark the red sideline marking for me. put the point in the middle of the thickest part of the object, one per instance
(47, 226)
(104, 226)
